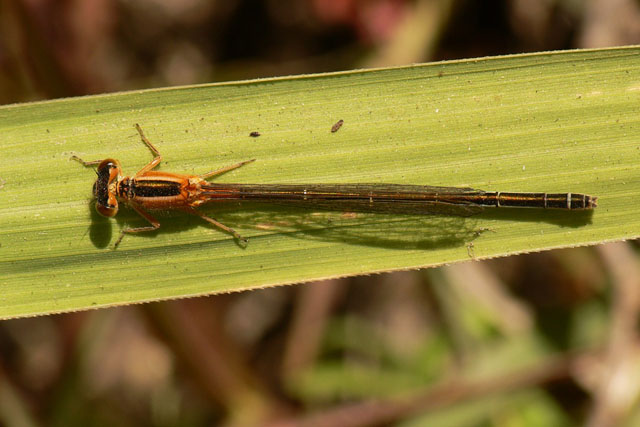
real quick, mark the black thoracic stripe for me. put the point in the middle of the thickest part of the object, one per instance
(159, 188)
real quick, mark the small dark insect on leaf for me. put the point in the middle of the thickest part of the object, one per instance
(254, 134)
(335, 128)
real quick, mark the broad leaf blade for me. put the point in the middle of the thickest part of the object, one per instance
(554, 122)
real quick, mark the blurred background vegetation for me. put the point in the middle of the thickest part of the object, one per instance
(539, 339)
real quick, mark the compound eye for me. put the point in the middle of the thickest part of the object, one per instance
(107, 164)
(107, 210)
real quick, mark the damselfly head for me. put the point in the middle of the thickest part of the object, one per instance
(104, 190)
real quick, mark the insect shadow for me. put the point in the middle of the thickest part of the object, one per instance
(258, 221)
(101, 228)
(392, 231)
(559, 217)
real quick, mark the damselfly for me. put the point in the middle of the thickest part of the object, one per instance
(154, 190)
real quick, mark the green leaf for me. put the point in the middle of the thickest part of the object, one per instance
(554, 122)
